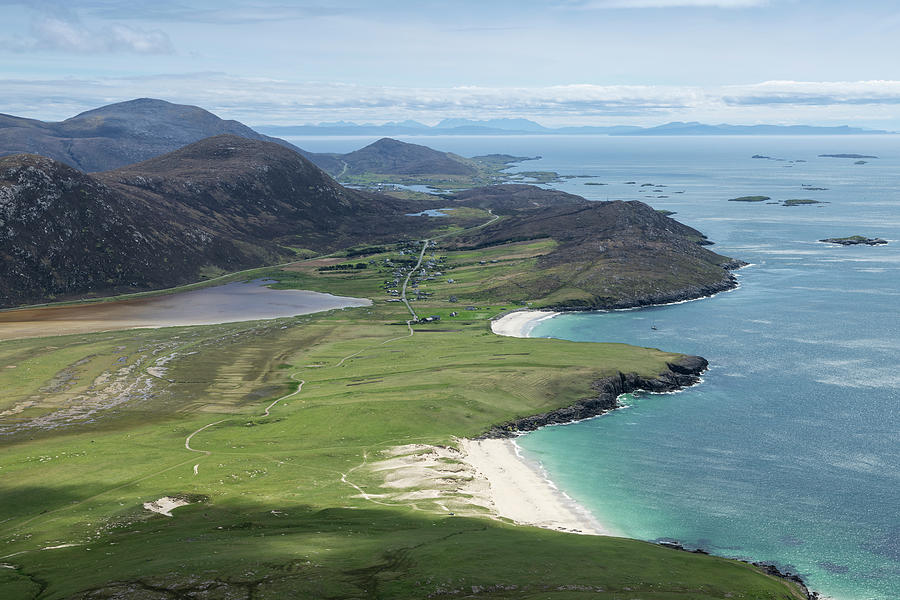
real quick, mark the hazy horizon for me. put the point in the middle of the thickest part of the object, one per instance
(560, 63)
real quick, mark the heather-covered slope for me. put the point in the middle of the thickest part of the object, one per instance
(390, 157)
(512, 198)
(607, 255)
(393, 157)
(226, 202)
(63, 232)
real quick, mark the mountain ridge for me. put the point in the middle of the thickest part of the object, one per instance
(528, 127)
(226, 203)
(119, 134)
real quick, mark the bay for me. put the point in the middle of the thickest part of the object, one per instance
(790, 449)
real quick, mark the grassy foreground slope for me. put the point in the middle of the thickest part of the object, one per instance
(276, 510)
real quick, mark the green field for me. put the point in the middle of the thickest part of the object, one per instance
(96, 425)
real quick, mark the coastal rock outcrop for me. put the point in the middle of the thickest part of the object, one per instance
(607, 255)
(856, 240)
(682, 373)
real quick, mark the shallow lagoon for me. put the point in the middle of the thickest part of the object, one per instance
(236, 301)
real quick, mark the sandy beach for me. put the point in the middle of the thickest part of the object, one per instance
(479, 478)
(520, 492)
(520, 323)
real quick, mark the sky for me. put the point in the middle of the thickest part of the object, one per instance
(558, 62)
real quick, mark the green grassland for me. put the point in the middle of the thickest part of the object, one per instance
(276, 509)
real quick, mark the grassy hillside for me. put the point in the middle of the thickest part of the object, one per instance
(605, 255)
(276, 509)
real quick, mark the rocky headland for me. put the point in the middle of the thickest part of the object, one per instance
(681, 373)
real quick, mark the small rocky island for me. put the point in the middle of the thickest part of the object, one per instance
(846, 156)
(856, 240)
(801, 202)
(750, 199)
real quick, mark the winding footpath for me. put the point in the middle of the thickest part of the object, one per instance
(425, 244)
(266, 412)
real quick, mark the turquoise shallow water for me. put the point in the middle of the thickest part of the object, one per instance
(790, 449)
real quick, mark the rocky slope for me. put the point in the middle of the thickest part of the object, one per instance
(225, 202)
(681, 373)
(609, 255)
(393, 157)
(63, 232)
(512, 198)
(119, 134)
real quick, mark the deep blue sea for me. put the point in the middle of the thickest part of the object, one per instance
(789, 451)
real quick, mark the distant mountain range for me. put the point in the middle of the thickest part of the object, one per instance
(526, 127)
(119, 134)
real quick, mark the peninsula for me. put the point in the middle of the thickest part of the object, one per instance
(330, 454)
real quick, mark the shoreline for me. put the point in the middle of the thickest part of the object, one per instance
(681, 375)
(520, 323)
(521, 491)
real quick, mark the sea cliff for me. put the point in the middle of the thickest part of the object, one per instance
(682, 373)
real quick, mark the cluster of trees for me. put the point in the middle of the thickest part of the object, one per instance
(345, 267)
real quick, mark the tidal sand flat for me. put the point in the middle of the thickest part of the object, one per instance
(237, 301)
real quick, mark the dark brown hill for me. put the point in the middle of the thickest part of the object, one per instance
(63, 233)
(609, 255)
(225, 202)
(393, 157)
(258, 191)
(119, 134)
(512, 198)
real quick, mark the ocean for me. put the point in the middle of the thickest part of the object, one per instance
(789, 451)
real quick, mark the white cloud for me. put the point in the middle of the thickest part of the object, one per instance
(275, 101)
(57, 28)
(816, 93)
(69, 34)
